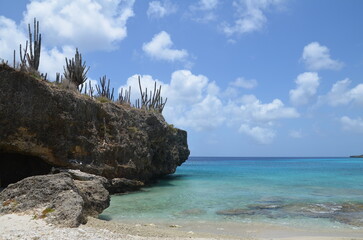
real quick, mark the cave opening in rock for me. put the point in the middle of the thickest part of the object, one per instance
(14, 167)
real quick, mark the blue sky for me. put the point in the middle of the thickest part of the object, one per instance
(243, 77)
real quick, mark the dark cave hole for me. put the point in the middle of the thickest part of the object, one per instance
(15, 167)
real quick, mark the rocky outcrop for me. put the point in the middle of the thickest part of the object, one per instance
(57, 198)
(115, 185)
(43, 123)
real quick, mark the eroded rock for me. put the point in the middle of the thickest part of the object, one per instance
(57, 198)
(70, 130)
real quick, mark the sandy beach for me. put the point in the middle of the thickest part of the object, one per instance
(25, 227)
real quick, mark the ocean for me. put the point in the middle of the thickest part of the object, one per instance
(288, 191)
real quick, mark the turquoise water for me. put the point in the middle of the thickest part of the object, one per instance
(286, 190)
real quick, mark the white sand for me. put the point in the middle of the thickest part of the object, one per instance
(24, 227)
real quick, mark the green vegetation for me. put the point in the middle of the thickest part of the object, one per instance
(102, 99)
(10, 202)
(103, 90)
(76, 70)
(44, 213)
(172, 128)
(75, 77)
(133, 130)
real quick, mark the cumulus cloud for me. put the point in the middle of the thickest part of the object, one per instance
(92, 24)
(192, 100)
(204, 115)
(254, 110)
(147, 82)
(257, 119)
(10, 38)
(158, 9)
(51, 60)
(306, 86)
(261, 135)
(160, 48)
(342, 94)
(317, 57)
(354, 125)
(250, 16)
(244, 83)
(195, 102)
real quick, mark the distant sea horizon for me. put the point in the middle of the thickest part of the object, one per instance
(293, 191)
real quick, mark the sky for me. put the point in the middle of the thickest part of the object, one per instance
(243, 77)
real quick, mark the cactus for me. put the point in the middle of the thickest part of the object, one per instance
(76, 70)
(154, 101)
(103, 90)
(125, 99)
(23, 58)
(34, 56)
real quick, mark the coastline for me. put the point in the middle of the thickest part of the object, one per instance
(25, 227)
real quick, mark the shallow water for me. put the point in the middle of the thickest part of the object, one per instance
(289, 191)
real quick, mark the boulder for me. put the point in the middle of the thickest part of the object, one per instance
(57, 198)
(42, 122)
(122, 185)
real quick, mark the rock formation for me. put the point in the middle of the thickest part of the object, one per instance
(57, 198)
(43, 125)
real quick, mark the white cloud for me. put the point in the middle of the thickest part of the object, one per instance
(160, 48)
(90, 24)
(257, 119)
(204, 115)
(204, 10)
(147, 82)
(11, 35)
(261, 135)
(252, 109)
(341, 94)
(195, 102)
(192, 100)
(205, 5)
(306, 86)
(250, 16)
(53, 60)
(158, 9)
(317, 57)
(187, 88)
(295, 134)
(244, 83)
(10, 38)
(354, 125)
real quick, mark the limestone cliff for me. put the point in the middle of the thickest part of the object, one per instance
(43, 125)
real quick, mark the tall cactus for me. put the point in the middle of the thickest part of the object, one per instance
(34, 56)
(152, 102)
(103, 90)
(76, 71)
(125, 99)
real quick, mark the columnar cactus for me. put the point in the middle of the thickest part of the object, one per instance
(34, 56)
(76, 71)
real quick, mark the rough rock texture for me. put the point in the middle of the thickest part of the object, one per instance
(115, 185)
(57, 198)
(70, 130)
(121, 185)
